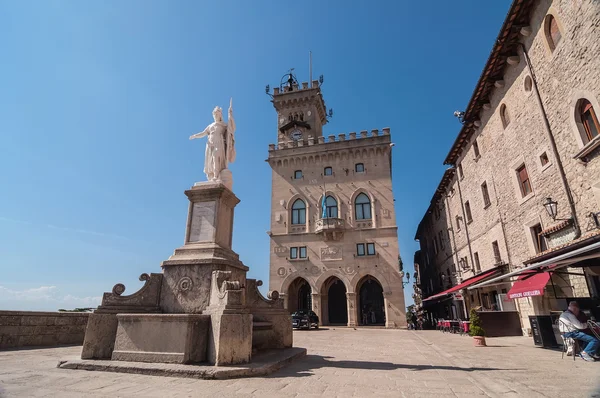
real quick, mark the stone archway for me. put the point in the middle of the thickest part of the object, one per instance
(334, 302)
(299, 295)
(371, 304)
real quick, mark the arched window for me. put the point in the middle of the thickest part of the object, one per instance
(331, 207)
(299, 212)
(504, 116)
(552, 32)
(589, 120)
(362, 207)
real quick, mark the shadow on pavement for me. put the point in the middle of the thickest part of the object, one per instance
(309, 363)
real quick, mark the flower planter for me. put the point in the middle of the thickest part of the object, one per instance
(479, 341)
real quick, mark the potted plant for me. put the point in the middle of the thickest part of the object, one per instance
(476, 330)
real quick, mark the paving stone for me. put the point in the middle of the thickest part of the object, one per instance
(378, 363)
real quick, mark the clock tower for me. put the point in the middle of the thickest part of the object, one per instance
(333, 237)
(301, 111)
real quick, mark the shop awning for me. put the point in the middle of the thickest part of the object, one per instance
(529, 285)
(467, 282)
(557, 262)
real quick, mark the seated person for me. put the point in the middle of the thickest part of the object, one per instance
(571, 327)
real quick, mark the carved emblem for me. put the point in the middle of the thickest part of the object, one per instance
(185, 283)
(315, 270)
(331, 253)
(349, 269)
(280, 251)
(281, 271)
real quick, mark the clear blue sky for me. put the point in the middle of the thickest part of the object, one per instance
(97, 100)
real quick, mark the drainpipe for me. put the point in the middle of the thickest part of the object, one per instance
(462, 207)
(561, 169)
(449, 217)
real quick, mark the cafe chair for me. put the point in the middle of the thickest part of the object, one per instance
(569, 344)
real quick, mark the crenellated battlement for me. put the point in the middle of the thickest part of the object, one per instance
(294, 88)
(363, 135)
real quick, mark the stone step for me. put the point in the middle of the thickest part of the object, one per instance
(262, 326)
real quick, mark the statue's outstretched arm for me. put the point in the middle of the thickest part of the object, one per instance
(200, 135)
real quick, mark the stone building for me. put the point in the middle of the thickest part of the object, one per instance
(334, 245)
(528, 146)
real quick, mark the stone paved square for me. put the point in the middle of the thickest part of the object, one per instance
(341, 362)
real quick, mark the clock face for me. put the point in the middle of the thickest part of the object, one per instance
(296, 134)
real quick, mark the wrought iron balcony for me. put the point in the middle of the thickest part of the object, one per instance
(331, 228)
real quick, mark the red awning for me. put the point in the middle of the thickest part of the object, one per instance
(467, 282)
(529, 285)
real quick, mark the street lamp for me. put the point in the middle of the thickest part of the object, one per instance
(551, 207)
(407, 279)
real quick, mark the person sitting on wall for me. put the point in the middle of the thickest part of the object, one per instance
(571, 327)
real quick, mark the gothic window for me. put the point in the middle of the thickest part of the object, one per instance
(328, 171)
(331, 207)
(589, 120)
(552, 32)
(362, 207)
(504, 116)
(299, 212)
(359, 168)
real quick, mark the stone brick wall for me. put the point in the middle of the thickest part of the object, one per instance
(565, 75)
(25, 328)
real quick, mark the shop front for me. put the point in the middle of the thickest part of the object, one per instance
(546, 284)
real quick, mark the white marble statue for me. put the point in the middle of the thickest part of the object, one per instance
(220, 147)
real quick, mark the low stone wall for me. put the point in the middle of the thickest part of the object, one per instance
(28, 328)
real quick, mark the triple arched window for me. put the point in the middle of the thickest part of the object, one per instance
(362, 207)
(299, 212)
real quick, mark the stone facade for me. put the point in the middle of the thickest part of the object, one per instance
(315, 262)
(29, 328)
(505, 131)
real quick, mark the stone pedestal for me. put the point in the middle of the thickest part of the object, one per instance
(100, 335)
(166, 338)
(201, 308)
(207, 248)
(230, 339)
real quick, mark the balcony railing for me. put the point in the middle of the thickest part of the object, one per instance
(329, 224)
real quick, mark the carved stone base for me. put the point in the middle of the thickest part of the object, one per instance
(167, 338)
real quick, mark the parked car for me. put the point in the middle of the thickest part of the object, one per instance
(305, 319)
